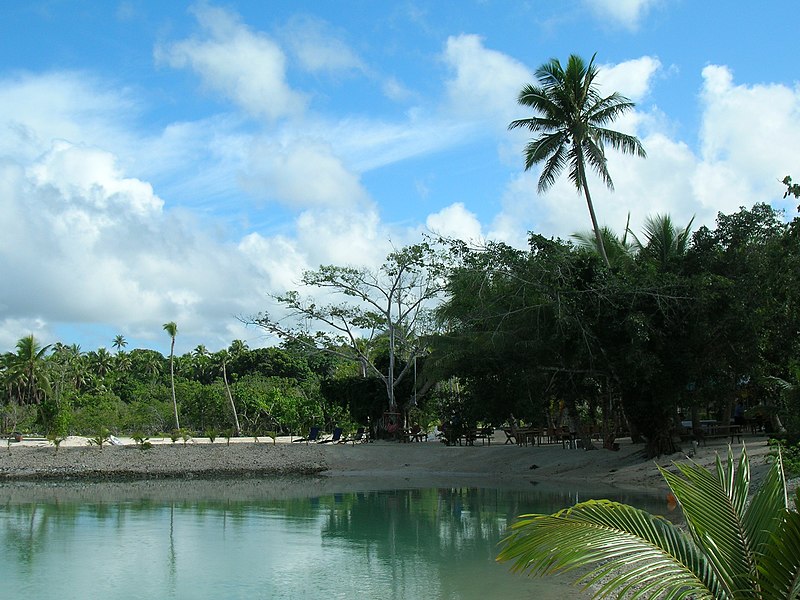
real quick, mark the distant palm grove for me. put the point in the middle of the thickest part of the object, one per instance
(679, 327)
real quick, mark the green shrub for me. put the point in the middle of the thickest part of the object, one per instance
(100, 438)
(790, 453)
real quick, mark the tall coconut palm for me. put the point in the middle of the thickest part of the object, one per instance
(222, 357)
(119, 342)
(737, 546)
(172, 330)
(26, 372)
(571, 119)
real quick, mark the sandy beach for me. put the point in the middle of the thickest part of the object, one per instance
(377, 464)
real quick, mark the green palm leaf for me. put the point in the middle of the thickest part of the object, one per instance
(738, 546)
(780, 565)
(643, 551)
(712, 505)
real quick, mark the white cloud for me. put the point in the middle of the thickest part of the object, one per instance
(36, 109)
(89, 245)
(455, 221)
(625, 13)
(748, 133)
(335, 237)
(246, 67)
(632, 78)
(302, 173)
(486, 82)
(395, 90)
(318, 48)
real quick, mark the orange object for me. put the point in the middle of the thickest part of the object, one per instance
(672, 501)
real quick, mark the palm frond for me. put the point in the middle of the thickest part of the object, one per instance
(764, 514)
(641, 550)
(595, 156)
(780, 565)
(554, 165)
(713, 505)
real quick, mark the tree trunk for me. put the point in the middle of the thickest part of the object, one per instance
(661, 443)
(172, 382)
(601, 247)
(585, 436)
(237, 429)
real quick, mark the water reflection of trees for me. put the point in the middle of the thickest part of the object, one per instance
(424, 522)
(431, 521)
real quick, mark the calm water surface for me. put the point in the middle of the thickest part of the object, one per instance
(267, 539)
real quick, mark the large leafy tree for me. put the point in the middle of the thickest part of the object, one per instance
(736, 546)
(390, 304)
(571, 126)
(172, 330)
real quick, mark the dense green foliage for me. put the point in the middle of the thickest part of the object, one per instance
(681, 327)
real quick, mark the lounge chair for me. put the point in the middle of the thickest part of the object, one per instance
(335, 438)
(313, 436)
(360, 436)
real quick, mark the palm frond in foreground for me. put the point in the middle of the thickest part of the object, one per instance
(736, 546)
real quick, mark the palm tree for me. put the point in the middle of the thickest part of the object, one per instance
(102, 362)
(172, 330)
(572, 122)
(223, 356)
(119, 342)
(26, 371)
(663, 240)
(618, 250)
(736, 546)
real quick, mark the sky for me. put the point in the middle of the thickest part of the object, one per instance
(171, 161)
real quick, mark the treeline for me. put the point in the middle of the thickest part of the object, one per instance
(60, 390)
(680, 326)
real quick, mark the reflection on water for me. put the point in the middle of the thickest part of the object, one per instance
(427, 543)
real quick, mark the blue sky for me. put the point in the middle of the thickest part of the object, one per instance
(182, 161)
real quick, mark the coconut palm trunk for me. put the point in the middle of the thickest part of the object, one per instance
(601, 247)
(237, 429)
(172, 330)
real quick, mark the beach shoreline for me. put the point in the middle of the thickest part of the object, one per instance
(377, 464)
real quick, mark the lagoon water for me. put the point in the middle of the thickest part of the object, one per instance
(267, 539)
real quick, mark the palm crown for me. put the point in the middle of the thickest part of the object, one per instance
(571, 122)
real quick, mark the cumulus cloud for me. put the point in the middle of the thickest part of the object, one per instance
(747, 138)
(631, 78)
(455, 221)
(90, 243)
(303, 173)
(246, 67)
(36, 109)
(625, 13)
(486, 83)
